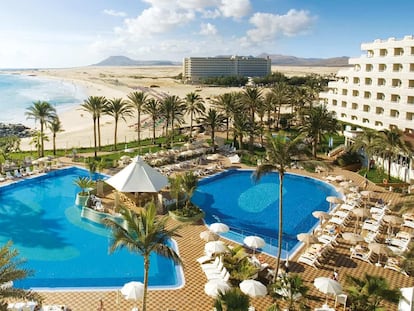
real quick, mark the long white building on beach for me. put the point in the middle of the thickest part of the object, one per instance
(377, 92)
(196, 68)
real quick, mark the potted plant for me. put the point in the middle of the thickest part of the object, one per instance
(85, 183)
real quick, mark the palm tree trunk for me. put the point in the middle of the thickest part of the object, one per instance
(191, 125)
(42, 147)
(227, 128)
(146, 269)
(389, 168)
(116, 130)
(94, 137)
(212, 138)
(54, 144)
(280, 234)
(139, 128)
(153, 130)
(99, 134)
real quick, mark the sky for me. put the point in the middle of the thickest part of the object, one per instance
(72, 33)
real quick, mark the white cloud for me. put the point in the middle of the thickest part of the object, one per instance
(208, 29)
(269, 26)
(235, 8)
(114, 13)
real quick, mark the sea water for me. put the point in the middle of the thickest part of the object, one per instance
(18, 92)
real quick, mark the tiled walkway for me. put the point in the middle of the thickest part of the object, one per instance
(191, 297)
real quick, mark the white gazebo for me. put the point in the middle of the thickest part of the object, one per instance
(138, 177)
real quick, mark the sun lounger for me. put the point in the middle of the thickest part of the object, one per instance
(394, 264)
(54, 308)
(205, 258)
(362, 254)
(214, 275)
(9, 175)
(217, 265)
(310, 260)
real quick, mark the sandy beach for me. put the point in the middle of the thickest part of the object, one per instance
(116, 82)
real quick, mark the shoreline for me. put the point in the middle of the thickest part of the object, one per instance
(115, 82)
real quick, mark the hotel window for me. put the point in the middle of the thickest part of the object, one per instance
(381, 82)
(355, 93)
(366, 108)
(343, 104)
(398, 51)
(334, 102)
(356, 80)
(368, 81)
(343, 115)
(380, 96)
(412, 50)
(411, 67)
(397, 67)
(344, 92)
(382, 67)
(379, 110)
(396, 82)
(367, 94)
(378, 123)
(394, 113)
(383, 52)
(354, 106)
(409, 116)
(395, 98)
(357, 67)
(354, 118)
(368, 67)
(365, 120)
(410, 83)
(410, 99)
(370, 53)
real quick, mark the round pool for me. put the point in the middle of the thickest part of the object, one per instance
(252, 208)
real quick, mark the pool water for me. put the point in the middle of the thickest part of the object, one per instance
(252, 208)
(65, 250)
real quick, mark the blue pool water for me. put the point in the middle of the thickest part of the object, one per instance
(63, 249)
(251, 208)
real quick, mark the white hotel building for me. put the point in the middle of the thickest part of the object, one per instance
(196, 68)
(377, 92)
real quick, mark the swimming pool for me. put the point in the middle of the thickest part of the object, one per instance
(63, 249)
(250, 208)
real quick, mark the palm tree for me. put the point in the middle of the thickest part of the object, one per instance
(241, 126)
(117, 108)
(318, 121)
(291, 289)
(144, 234)
(281, 96)
(251, 98)
(228, 105)
(213, 119)
(232, 300)
(10, 271)
(392, 144)
(369, 142)
(177, 112)
(138, 100)
(194, 106)
(368, 293)
(152, 107)
(55, 127)
(45, 113)
(94, 105)
(279, 151)
(36, 141)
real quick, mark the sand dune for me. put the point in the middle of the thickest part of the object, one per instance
(115, 82)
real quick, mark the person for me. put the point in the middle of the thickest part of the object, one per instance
(335, 275)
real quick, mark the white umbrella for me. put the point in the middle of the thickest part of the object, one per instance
(352, 237)
(327, 286)
(392, 220)
(333, 200)
(307, 238)
(253, 288)
(209, 236)
(213, 287)
(215, 247)
(360, 212)
(321, 215)
(379, 249)
(133, 291)
(219, 227)
(254, 242)
(138, 176)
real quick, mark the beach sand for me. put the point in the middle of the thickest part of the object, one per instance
(116, 82)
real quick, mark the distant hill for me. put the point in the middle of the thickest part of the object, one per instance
(286, 60)
(126, 61)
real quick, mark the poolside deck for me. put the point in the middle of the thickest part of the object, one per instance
(192, 297)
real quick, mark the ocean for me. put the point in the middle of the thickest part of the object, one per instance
(18, 92)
